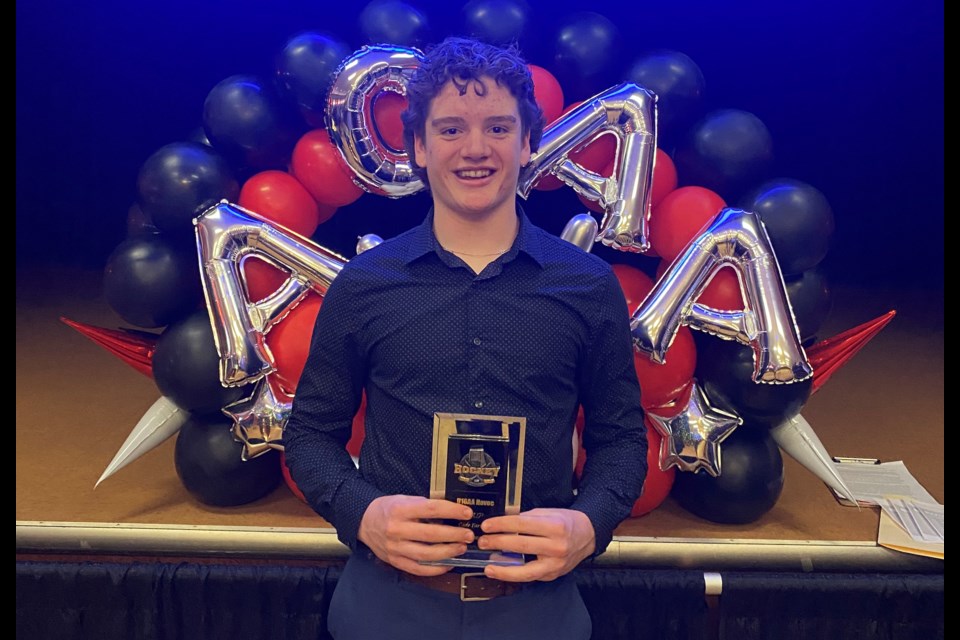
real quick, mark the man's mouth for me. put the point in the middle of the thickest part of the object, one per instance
(474, 174)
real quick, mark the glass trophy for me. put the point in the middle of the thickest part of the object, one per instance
(478, 462)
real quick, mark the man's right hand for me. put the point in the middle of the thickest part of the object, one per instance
(400, 531)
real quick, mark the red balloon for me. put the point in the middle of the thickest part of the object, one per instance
(664, 178)
(656, 486)
(552, 110)
(722, 292)
(599, 156)
(679, 218)
(658, 483)
(387, 107)
(289, 341)
(288, 479)
(353, 448)
(356, 436)
(548, 182)
(279, 198)
(635, 284)
(581, 454)
(547, 92)
(317, 164)
(262, 278)
(661, 383)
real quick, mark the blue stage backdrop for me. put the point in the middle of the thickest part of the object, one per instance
(851, 94)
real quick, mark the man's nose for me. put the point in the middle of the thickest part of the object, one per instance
(475, 145)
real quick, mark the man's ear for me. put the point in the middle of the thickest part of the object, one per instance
(525, 150)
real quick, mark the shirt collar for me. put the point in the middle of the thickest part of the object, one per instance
(528, 241)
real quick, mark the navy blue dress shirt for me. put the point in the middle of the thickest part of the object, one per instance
(539, 332)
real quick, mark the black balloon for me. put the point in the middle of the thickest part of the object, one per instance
(197, 134)
(150, 282)
(180, 181)
(394, 22)
(209, 463)
(186, 366)
(138, 222)
(248, 122)
(679, 85)
(725, 372)
(586, 52)
(811, 299)
(305, 69)
(797, 218)
(496, 21)
(749, 485)
(727, 150)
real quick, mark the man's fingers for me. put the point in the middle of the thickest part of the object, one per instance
(540, 569)
(433, 532)
(429, 552)
(426, 509)
(524, 523)
(511, 542)
(531, 545)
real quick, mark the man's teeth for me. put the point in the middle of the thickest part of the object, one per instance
(474, 173)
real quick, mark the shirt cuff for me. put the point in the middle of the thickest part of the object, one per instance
(352, 500)
(603, 524)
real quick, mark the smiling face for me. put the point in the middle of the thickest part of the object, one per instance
(473, 148)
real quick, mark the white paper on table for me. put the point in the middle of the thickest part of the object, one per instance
(933, 514)
(890, 535)
(923, 522)
(870, 483)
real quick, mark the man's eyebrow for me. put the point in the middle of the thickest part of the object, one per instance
(455, 121)
(501, 120)
(449, 121)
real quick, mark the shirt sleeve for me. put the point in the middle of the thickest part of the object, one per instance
(614, 435)
(328, 396)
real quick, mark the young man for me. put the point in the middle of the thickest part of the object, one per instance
(474, 311)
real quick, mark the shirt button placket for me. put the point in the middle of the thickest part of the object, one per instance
(474, 389)
(478, 404)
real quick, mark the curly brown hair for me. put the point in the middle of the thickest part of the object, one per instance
(460, 59)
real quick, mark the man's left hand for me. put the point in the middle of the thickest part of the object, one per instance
(559, 538)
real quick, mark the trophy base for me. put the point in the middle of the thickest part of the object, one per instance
(481, 558)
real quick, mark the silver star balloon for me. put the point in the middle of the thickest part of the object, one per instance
(691, 439)
(258, 419)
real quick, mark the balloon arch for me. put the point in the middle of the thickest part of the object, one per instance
(719, 262)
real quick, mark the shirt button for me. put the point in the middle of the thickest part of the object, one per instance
(476, 341)
(478, 404)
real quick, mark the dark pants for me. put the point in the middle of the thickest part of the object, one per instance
(372, 600)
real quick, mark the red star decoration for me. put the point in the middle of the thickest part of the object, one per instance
(827, 356)
(136, 348)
